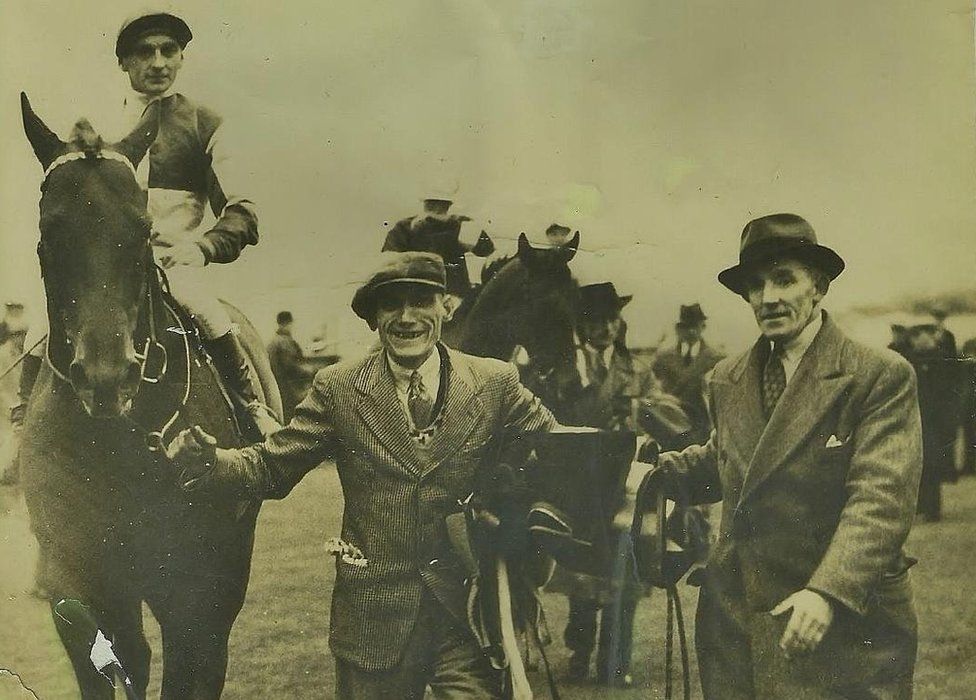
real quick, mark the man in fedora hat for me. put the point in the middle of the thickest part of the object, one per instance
(407, 426)
(681, 368)
(191, 167)
(815, 454)
(610, 386)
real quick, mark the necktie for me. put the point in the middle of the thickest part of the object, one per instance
(598, 368)
(687, 355)
(419, 402)
(774, 380)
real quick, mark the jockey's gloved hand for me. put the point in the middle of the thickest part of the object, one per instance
(189, 254)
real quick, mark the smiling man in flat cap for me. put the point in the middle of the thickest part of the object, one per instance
(407, 427)
(816, 456)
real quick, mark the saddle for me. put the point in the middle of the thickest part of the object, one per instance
(579, 481)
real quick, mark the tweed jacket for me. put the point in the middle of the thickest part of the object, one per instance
(397, 494)
(820, 497)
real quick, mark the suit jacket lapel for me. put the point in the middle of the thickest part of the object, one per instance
(461, 412)
(741, 404)
(810, 393)
(382, 413)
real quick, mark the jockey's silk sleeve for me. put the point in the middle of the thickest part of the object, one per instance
(237, 220)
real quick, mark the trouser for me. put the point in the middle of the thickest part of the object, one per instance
(616, 632)
(440, 654)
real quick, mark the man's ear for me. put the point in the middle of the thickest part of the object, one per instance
(451, 304)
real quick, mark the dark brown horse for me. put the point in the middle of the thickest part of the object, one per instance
(124, 373)
(526, 310)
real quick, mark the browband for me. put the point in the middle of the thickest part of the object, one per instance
(79, 155)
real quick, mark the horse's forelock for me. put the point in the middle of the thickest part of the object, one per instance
(84, 138)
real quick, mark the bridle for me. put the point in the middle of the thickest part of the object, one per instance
(153, 358)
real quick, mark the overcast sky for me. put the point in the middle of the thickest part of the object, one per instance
(656, 127)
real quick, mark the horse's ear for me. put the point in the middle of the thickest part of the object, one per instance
(524, 247)
(137, 143)
(570, 247)
(46, 144)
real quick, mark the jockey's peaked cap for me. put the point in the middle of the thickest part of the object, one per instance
(138, 26)
(775, 237)
(417, 268)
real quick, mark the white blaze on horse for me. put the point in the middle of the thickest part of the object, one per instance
(124, 371)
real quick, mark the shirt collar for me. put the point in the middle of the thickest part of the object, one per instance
(797, 347)
(429, 371)
(606, 353)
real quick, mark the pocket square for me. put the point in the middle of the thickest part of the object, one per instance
(832, 441)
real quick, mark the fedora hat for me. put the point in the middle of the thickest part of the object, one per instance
(691, 315)
(601, 299)
(778, 236)
(412, 267)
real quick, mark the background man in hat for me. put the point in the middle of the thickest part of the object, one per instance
(610, 386)
(938, 388)
(816, 455)
(190, 167)
(407, 426)
(287, 364)
(681, 368)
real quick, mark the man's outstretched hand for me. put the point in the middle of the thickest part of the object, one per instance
(194, 451)
(809, 622)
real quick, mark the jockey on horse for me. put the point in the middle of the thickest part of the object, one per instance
(188, 166)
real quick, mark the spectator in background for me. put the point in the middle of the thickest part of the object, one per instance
(946, 340)
(937, 387)
(286, 357)
(13, 330)
(681, 369)
(899, 338)
(968, 465)
(602, 608)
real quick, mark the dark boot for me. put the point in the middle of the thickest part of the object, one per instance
(228, 355)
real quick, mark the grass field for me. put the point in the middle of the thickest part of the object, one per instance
(279, 648)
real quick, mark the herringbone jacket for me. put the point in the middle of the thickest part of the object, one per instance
(396, 493)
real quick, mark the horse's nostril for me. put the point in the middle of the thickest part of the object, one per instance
(78, 376)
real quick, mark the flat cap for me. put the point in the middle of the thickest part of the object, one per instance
(411, 267)
(152, 22)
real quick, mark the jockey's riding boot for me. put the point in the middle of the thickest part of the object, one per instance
(228, 355)
(29, 367)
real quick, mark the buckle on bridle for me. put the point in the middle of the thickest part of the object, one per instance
(154, 361)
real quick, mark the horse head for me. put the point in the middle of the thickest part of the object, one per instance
(530, 303)
(95, 255)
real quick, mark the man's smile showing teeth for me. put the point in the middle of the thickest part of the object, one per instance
(407, 335)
